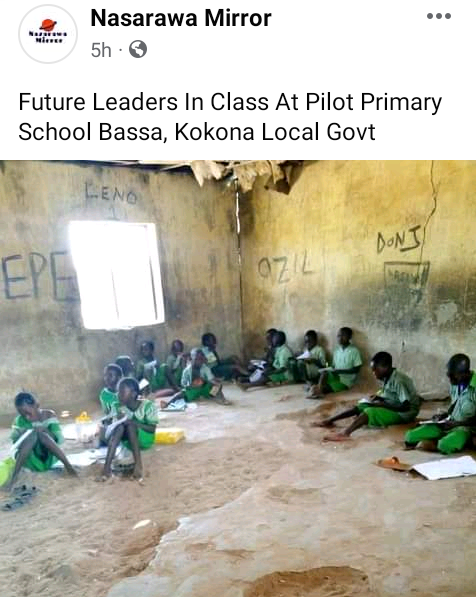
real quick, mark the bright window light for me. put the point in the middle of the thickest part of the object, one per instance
(118, 270)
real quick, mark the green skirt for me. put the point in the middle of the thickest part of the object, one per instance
(40, 460)
(334, 382)
(146, 440)
(379, 416)
(196, 392)
(160, 381)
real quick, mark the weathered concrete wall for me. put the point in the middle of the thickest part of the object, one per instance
(384, 247)
(45, 348)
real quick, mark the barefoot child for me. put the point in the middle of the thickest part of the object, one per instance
(227, 368)
(396, 403)
(36, 432)
(315, 359)
(281, 370)
(136, 428)
(451, 431)
(346, 363)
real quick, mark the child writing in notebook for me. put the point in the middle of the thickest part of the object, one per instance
(135, 427)
(36, 435)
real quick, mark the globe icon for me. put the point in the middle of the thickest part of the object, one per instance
(138, 49)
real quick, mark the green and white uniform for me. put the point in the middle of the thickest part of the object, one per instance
(463, 409)
(399, 388)
(282, 354)
(109, 402)
(40, 459)
(344, 358)
(194, 392)
(147, 414)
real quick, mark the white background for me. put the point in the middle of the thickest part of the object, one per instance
(338, 46)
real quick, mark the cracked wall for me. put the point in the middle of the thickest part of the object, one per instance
(384, 247)
(45, 348)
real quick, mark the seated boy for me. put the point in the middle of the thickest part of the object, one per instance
(135, 428)
(451, 431)
(223, 368)
(314, 359)
(127, 366)
(108, 396)
(167, 378)
(36, 434)
(281, 370)
(346, 363)
(395, 403)
(146, 357)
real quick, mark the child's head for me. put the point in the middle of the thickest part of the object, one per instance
(126, 364)
(344, 336)
(269, 336)
(459, 369)
(177, 347)
(197, 357)
(381, 365)
(112, 375)
(279, 339)
(128, 390)
(310, 339)
(209, 341)
(147, 350)
(27, 406)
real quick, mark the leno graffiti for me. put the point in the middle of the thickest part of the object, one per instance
(23, 276)
(406, 240)
(282, 269)
(92, 191)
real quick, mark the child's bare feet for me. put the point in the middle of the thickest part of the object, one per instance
(323, 423)
(336, 437)
(137, 472)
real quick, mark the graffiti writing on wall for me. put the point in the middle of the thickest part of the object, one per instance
(406, 240)
(23, 276)
(406, 281)
(284, 268)
(94, 192)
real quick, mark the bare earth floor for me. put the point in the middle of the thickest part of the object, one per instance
(252, 504)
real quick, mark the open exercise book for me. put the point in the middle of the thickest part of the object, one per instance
(447, 468)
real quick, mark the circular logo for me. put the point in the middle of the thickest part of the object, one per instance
(138, 49)
(48, 33)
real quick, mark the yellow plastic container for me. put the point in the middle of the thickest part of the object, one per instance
(84, 427)
(168, 435)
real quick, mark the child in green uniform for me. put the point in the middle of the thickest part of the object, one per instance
(36, 434)
(127, 366)
(135, 428)
(108, 396)
(146, 357)
(346, 363)
(281, 370)
(395, 403)
(198, 380)
(175, 365)
(315, 359)
(227, 368)
(451, 431)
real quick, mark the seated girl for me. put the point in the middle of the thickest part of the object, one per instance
(135, 428)
(146, 357)
(36, 435)
(198, 382)
(166, 379)
(228, 368)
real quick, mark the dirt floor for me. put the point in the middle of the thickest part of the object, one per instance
(252, 504)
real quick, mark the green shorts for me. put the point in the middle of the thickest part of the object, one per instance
(448, 441)
(196, 392)
(146, 440)
(40, 460)
(334, 382)
(380, 416)
(284, 377)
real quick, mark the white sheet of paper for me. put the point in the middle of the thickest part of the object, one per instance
(365, 401)
(447, 468)
(143, 383)
(305, 355)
